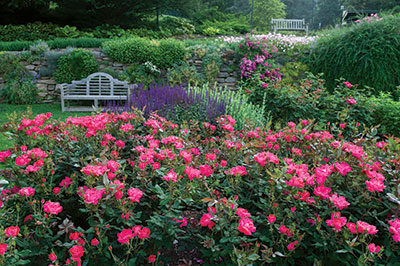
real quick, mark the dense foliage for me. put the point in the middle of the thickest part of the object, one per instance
(163, 53)
(119, 189)
(76, 65)
(361, 53)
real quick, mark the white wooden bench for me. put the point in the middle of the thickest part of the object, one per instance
(97, 86)
(289, 24)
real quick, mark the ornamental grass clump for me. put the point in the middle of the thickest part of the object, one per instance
(367, 53)
(121, 189)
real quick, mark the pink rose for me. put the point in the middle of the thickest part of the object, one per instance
(246, 226)
(12, 231)
(52, 207)
(135, 194)
(3, 249)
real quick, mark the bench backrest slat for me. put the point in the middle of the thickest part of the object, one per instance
(98, 84)
(289, 24)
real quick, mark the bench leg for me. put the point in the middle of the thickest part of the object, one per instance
(62, 105)
(96, 104)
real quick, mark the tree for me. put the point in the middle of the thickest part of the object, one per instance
(89, 13)
(299, 9)
(23, 11)
(265, 10)
(371, 4)
(328, 12)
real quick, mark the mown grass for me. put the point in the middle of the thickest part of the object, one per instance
(7, 109)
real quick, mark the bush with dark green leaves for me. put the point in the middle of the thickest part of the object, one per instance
(76, 65)
(367, 53)
(20, 87)
(353, 107)
(162, 53)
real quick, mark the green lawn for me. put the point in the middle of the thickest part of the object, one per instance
(55, 109)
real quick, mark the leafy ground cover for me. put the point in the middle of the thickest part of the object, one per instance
(124, 190)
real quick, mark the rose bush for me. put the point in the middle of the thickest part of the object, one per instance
(119, 189)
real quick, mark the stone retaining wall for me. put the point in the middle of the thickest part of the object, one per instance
(49, 90)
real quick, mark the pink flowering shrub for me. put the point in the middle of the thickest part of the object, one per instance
(94, 191)
(257, 70)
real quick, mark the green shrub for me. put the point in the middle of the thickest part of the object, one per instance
(39, 48)
(74, 66)
(7, 63)
(168, 53)
(183, 73)
(146, 73)
(176, 25)
(293, 72)
(133, 50)
(84, 42)
(111, 72)
(231, 27)
(19, 86)
(28, 32)
(386, 113)
(367, 53)
(51, 59)
(138, 50)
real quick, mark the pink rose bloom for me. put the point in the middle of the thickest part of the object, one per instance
(246, 226)
(336, 221)
(92, 196)
(375, 185)
(381, 144)
(120, 144)
(27, 191)
(3, 249)
(125, 236)
(271, 218)
(374, 249)
(339, 201)
(348, 84)
(205, 220)
(76, 252)
(12, 231)
(352, 227)
(366, 227)
(52, 207)
(286, 231)
(171, 176)
(113, 165)
(135, 194)
(4, 155)
(52, 257)
(238, 170)
(206, 170)
(211, 156)
(261, 158)
(192, 172)
(343, 168)
(94, 242)
(144, 233)
(242, 213)
(292, 245)
(351, 101)
(322, 191)
(22, 160)
(152, 258)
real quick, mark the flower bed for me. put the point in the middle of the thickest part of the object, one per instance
(122, 190)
